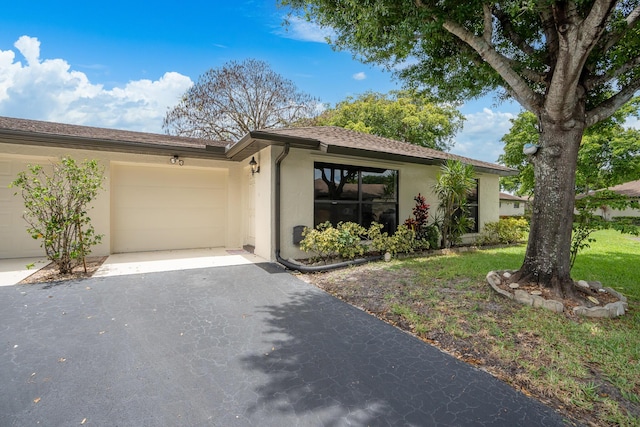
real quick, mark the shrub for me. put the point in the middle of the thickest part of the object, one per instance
(402, 241)
(329, 242)
(424, 234)
(504, 231)
(56, 206)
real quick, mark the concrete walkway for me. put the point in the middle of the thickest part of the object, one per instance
(239, 345)
(12, 271)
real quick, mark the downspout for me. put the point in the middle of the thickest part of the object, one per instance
(279, 160)
(295, 266)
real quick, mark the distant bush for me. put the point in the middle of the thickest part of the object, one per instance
(504, 231)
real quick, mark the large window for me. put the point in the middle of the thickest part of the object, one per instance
(357, 194)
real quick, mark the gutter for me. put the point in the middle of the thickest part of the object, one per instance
(295, 266)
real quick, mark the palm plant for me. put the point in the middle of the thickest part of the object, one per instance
(454, 183)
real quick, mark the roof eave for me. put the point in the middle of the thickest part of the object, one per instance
(255, 141)
(98, 144)
(379, 155)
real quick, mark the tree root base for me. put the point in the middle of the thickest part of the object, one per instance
(596, 301)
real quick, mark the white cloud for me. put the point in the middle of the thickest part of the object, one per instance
(299, 29)
(50, 90)
(360, 76)
(480, 137)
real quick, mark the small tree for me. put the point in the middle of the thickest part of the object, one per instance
(455, 182)
(56, 209)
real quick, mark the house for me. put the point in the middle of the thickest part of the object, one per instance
(164, 192)
(630, 189)
(511, 205)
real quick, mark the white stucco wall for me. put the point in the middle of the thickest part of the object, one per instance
(101, 214)
(508, 208)
(298, 192)
(614, 213)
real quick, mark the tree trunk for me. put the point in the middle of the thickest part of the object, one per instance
(547, 259)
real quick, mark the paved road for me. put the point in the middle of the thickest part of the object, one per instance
(228, 346)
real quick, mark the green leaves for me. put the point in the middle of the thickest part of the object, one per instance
(454, 183)
(56, 199)
(401, 115)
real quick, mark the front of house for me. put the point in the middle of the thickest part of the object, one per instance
(165, 193)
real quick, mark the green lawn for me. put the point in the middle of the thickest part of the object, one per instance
(587, 368)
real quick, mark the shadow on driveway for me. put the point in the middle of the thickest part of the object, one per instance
(228, 346)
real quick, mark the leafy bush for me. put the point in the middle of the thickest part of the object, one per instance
(403, 240)
(504, 231)
(56, 206)
(425, 236)
(329, 242)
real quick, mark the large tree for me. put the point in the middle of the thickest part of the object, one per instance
(401, 115)
(571, 63)
(609, 155)
(228, 102)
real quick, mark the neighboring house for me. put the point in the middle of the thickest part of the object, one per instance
(511, 205)
(305, 176)
(629, 189)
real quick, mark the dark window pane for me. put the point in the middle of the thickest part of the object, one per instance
(336, 183)
(335, 213)
(357, 194)
(385, 214)
(378, 186)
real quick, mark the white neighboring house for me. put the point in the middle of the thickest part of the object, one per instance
(511, 205)
(629, 189)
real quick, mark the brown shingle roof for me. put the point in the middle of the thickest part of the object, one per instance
(339, 137)
(8, 124)
(630, 189)
(506, 196)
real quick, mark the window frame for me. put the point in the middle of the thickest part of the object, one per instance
(362, 205)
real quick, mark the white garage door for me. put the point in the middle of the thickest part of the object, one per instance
(15, 242)
(172, 207)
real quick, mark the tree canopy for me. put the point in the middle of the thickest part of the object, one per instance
(609, 155)
(228, 102)
(401, 115)
(571, 63)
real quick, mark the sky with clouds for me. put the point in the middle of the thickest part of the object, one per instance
(123, 64)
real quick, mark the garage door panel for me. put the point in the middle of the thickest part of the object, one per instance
(15, 242)
(160, 208)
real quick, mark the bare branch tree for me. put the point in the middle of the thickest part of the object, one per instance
(228, 102)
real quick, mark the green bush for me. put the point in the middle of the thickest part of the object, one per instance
(504, 231)
(402, 241)
(329, 242)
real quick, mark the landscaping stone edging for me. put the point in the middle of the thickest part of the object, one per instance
(611, 310)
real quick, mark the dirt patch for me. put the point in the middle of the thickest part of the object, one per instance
(50, 273)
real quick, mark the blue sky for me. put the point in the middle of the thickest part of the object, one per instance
(123, 64)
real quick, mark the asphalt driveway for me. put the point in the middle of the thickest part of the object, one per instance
(228, 346)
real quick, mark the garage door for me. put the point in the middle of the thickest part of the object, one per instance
(15, 242)
(172, 207)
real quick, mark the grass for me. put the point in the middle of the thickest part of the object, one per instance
(586, 368)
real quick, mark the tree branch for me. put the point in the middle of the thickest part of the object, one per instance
(487, 33)
(612, 74)
(611, 105)
(632, 20)
(511, 34)
(521, 91)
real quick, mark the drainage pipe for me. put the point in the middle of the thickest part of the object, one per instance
(295, 266)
